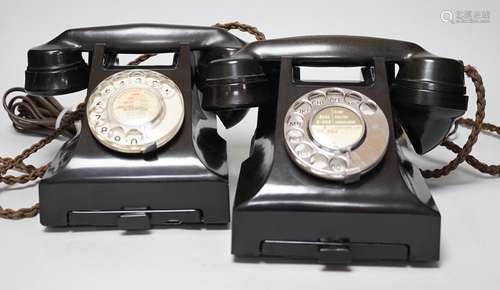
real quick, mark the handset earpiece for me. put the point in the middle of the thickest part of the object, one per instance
(55, 70)
(428, 94)
(232, 86)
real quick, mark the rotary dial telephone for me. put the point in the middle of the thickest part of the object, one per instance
(145, 147)
(327, 177)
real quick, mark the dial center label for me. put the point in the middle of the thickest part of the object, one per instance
(336, 127)
(136, 106)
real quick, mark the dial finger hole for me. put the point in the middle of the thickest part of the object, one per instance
(108, 90)
(96, 117)
(338, 165)
(353, 98)
(302, 108)
(102, 129)
(97, 110)
(319, 161)
(335, 96)
(368, 108)
(295, 136)
(295, 121)
(303, 151)
(317, 99)
(98, 101)
(168, 91)
(116, 134)
(134, 137)
(137, 76)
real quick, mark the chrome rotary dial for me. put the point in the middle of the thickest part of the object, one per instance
(135, 111)
(336, 133)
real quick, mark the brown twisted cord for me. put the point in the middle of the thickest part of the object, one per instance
(32, 172)
(476, 127)
(493, 170)
(20, 213)
(33, 114)
(242, 27)
(38, 114)
(484, 126)
(142, 58)
(20, 166)
(17, 162)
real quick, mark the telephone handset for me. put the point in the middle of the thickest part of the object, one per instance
(432, 85)
(327, 177)
(147, 154)
(58, 67)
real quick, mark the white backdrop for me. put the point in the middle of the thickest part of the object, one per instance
(34, 257)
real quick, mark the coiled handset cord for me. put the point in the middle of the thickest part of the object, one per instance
(39, 115)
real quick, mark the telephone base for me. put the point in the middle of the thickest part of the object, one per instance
(336, 238)
(130, 207)
(89, 185)
(183, 181)
(282, 210)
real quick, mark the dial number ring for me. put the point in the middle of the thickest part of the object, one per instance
(336, 133)
(134, 111)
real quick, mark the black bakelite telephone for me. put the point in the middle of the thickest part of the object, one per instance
(327, 177)
(147, 153)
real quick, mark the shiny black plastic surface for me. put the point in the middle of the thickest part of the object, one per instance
(277, 201)
(57, 67)
(184, 181)
(428, 92)
(389, 214)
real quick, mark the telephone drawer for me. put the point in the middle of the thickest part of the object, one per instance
(334, 252)
(134, 219)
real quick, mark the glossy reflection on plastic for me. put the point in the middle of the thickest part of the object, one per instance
(336, 133)
(135, 111)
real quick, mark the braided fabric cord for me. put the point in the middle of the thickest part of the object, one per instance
(37, 114)
(32, 172)
(476, 126)
(243, 28)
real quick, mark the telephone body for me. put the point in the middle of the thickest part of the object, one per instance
(327, 178)
(147, 154)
